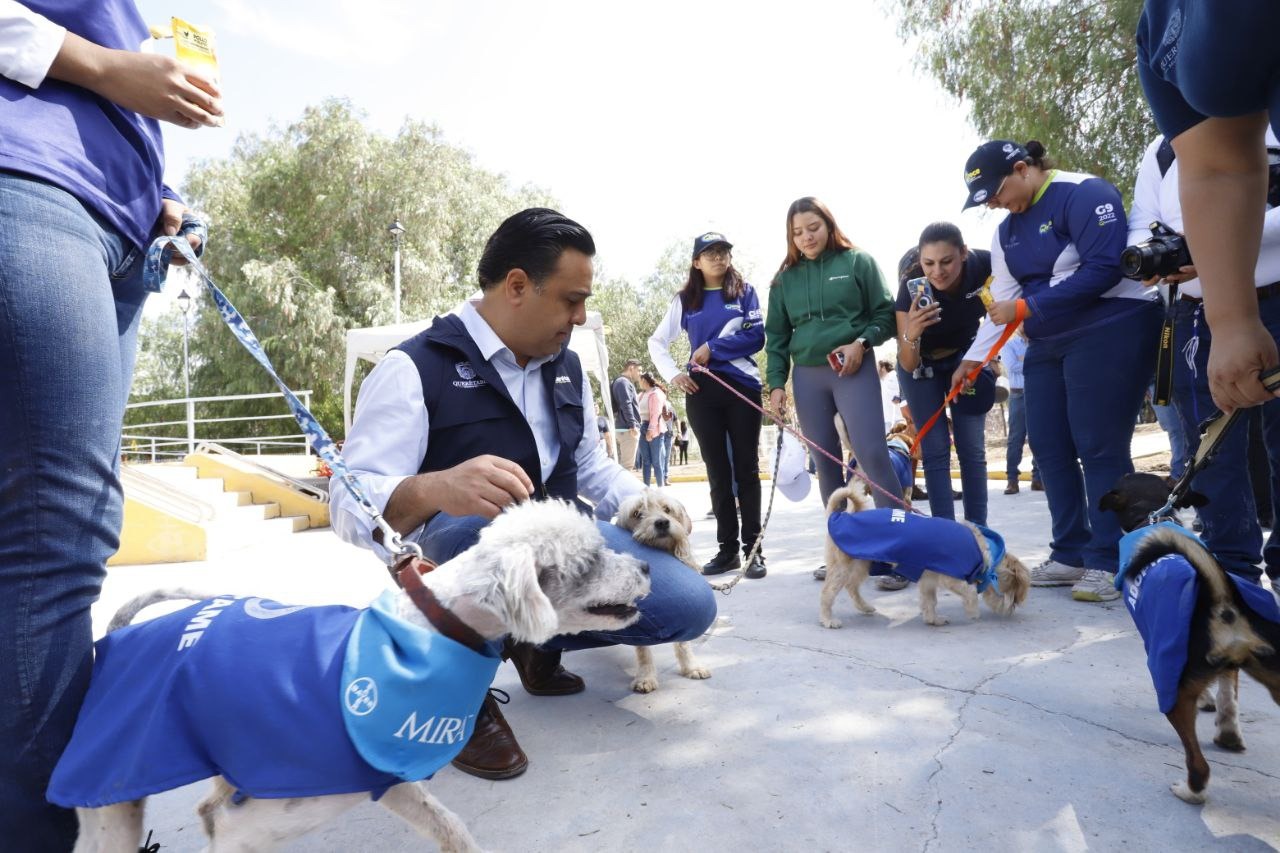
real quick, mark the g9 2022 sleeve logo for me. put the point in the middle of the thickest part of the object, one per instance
(1106, 213)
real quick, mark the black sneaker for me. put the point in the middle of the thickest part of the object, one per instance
(725, 561)
(756, 568)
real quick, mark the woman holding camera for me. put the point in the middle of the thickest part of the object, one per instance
(720, 312)
(938, 315)
(828, 308)
(1092, 338)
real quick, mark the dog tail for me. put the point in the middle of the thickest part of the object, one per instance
(1231, 637)
(131, 608)
(846, 499)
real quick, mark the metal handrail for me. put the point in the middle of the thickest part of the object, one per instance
(155, 446)
(297, 485)
(157, 492)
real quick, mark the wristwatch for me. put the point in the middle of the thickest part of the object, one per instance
(865, 346)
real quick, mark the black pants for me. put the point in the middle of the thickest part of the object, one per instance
(714, 415)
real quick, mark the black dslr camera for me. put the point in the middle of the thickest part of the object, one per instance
(1164, 254)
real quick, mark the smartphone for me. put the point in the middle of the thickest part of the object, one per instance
(836, 360)
(922, 287)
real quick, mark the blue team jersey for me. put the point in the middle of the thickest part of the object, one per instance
(1161, 598)
(1064, 251)
(916, 543)
(282, 701)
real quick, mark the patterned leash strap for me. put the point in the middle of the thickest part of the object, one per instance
(697, 368)
(727, 586)
(1212, 432)
(972, 375)
(155, 269)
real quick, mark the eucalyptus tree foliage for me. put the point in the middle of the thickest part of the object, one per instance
(1061, 71)
(299, 243)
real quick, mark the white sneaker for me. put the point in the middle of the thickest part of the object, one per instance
(1096, 585)
(1053, 573)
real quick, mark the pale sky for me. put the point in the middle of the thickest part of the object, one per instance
(650, 123)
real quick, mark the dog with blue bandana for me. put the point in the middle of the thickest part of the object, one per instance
(1199, 624)
(968, 559)
(303, 712)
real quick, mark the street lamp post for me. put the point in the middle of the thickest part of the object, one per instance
(397, 231)
(184, 305)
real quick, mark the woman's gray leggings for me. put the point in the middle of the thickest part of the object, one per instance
(819, 394)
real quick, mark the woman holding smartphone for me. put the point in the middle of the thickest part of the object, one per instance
(828, 308)
(938, 313)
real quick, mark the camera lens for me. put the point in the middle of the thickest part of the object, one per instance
(1137, 262)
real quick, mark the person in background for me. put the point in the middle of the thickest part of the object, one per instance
(682, 443)
(81, 198)
(828, 309)
(1092, 344)
(936, 325)
(669, 422)
(890, 394)
(1230, 518)
(653, 446)
(720, 313)
(1012, 357)
(626, 414)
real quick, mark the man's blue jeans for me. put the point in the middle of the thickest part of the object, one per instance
(71, 298)
(924, 396)
(680, 605)
(653, 457)
(1083, 393)
(1230, 518)
(1018, 436)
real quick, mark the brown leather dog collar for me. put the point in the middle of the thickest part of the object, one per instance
(408, 573)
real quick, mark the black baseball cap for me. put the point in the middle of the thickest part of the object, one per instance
(706, 241)
(987, 166)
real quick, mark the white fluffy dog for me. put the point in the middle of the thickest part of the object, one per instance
(659, 521)
(539, 570)
(845, 572)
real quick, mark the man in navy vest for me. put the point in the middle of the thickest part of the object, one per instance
(491, 407)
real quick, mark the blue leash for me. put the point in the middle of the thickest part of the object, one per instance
(155, 270)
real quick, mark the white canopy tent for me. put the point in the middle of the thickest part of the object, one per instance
(371, 345)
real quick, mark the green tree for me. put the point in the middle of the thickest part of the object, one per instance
(299, 243)
(1061, 71)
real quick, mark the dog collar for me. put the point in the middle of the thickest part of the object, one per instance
(409, 572)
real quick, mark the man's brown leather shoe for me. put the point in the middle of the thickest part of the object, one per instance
(540, 671)
(492, 752)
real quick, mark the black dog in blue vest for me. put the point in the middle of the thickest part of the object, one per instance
(1199, 624)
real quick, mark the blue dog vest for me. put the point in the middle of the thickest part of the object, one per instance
(281, 701)
(916, 543)
(1161, 599)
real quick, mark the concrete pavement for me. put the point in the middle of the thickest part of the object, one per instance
(1038, 732)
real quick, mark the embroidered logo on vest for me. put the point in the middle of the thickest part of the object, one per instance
(468, 374)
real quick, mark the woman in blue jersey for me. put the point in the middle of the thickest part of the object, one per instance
(1091, 349)
(721, 315)
(81, 194)
(936, 326)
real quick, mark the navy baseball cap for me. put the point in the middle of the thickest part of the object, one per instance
(705, 241)
(987, 166)
(978, 399)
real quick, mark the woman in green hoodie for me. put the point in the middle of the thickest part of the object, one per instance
(828, 307)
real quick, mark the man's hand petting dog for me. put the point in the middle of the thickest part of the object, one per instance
(485, 486)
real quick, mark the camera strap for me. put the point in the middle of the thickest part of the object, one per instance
(1165, 355)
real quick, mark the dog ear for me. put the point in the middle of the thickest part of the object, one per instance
(1191, 499)
(533, 618)
(1113, 501)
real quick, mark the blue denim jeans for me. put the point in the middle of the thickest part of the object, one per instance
(71, 298)
(1230, 518)
(653, 458)
(1083, 393)
(680, 605)
(1018, 436)
(924, 396)
(1167, 417)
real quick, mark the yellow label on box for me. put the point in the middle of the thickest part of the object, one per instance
(985, 293)
(195, 47)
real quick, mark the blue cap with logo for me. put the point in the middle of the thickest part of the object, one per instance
(705, 241)
(987, 166)
(978, 398)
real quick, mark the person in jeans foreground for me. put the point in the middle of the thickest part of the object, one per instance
(81, 197)
(489, 408)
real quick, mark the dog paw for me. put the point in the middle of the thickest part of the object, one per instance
(644, 685)
(866, 611)
(830, 623)
(1183, 791)
(1230, 741)
(696, 672)
(937, 621)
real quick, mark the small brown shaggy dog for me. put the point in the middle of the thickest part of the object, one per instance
(845, 572)
(656, 520)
